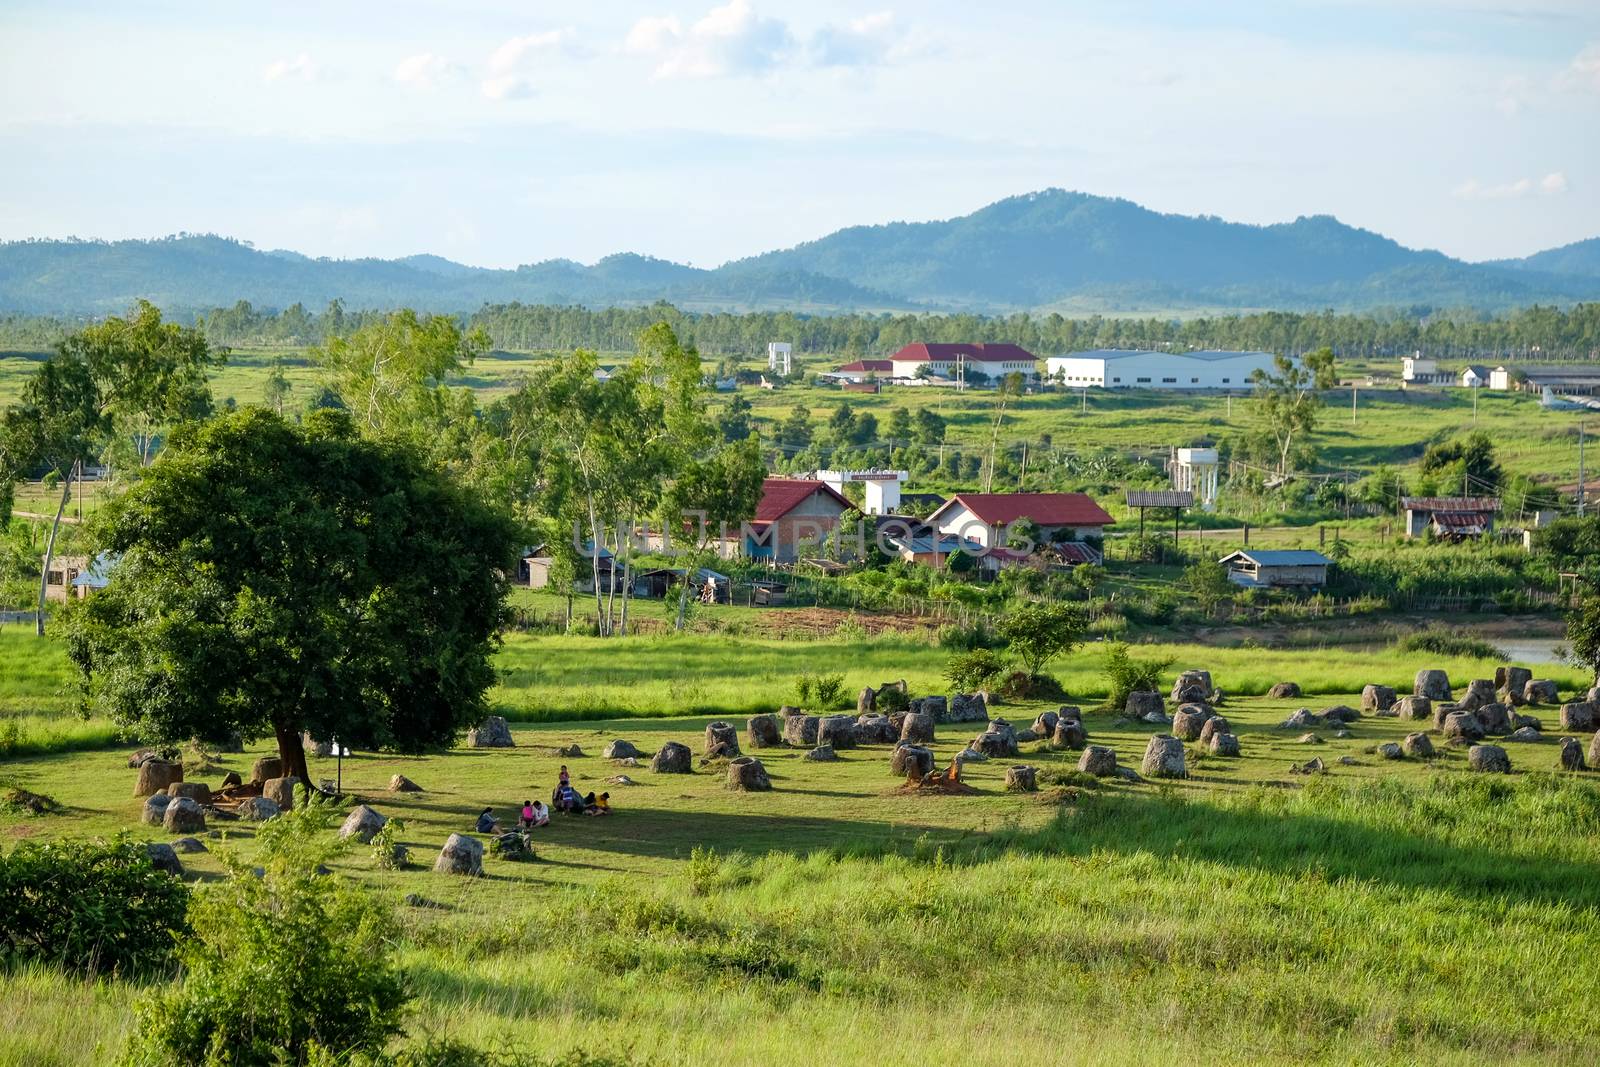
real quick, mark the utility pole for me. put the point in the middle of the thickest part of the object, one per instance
(1023, 480)
(1352, 403)
(1580, 470)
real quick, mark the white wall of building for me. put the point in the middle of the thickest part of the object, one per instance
(907, 368)
(1156, 370)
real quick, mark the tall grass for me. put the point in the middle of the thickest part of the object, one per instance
(1274, 925)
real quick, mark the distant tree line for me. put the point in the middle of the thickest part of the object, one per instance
(1533, 333)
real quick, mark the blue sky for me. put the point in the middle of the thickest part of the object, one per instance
(501, 132)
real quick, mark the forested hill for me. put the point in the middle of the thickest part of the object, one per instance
(1045, 251)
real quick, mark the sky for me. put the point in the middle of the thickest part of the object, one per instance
(502, 132)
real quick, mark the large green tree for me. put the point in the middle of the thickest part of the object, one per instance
(275, 578)
(108, 392)
(1289, 400)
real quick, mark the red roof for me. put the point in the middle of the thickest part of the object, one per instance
(865, 365)
(779, 496)
(978, 353)
(1045, 509)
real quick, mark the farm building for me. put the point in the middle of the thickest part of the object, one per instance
(984, 517)
(1453, 517)
(538, 563)
(928, 546)
(1277, 568)
(947, 360)
(1573, 380)
(62, 578)
(1416, 370)
(1118, 369)
(1475, 376)
(793, 513)
(862, 369)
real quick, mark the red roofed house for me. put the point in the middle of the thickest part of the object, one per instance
(983, 517)
(992, 360)
(861, 368)
(792, 511)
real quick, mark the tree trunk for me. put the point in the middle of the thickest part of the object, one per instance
(292, 752)
(50, 549)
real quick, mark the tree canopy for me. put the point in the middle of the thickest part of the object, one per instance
(274, 579)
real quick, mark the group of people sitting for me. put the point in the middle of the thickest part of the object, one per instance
(567, 799)
(564, 799)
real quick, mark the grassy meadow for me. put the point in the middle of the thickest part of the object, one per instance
(1382, 912)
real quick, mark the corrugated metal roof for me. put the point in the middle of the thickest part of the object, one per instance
(1450, 503)
(1160, 498)
(1279, 557)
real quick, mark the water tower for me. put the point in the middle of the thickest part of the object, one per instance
(1195, 470)
(780, 358)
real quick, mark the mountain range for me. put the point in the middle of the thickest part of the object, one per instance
(1051, 250)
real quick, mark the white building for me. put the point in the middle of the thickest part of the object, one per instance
(883, 487)
(1500, 379)
(1415, 368)
(1119, 369)
(954, 361)
(1475, 377)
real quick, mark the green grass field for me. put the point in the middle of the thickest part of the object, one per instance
(1243, 915)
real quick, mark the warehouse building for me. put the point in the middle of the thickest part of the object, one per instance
(1132, 369)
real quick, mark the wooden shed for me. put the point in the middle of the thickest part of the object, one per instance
(1277, 568)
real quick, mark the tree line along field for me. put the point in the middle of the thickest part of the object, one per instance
(1381, 912)
(1390, 426)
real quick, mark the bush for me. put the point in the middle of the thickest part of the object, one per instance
(1129, 675)
(1443, 641)
(826, 689)
(285, 967)
(1020, 685)
(968, 671)
(892, 700)
(959, 637)
(387, 851)
(89, 906)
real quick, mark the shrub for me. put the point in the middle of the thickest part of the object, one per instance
(284, 965)
(968, 671)
(827, 690)
(1443, 641)
(892, 700)
(387, 851)
(965, 637)
(89, 906)
(1129, 675)
(1020, 685)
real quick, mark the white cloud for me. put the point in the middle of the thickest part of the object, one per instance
(863, 42)
(423, 70)
(732, 39)
(1584, 70)
(1552, 184)
(300, 67)
(510, 74)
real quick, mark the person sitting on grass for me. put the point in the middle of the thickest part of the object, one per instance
(487, 823)
(526, 820)
(601, 804)
(541, 814)
(567, 799)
